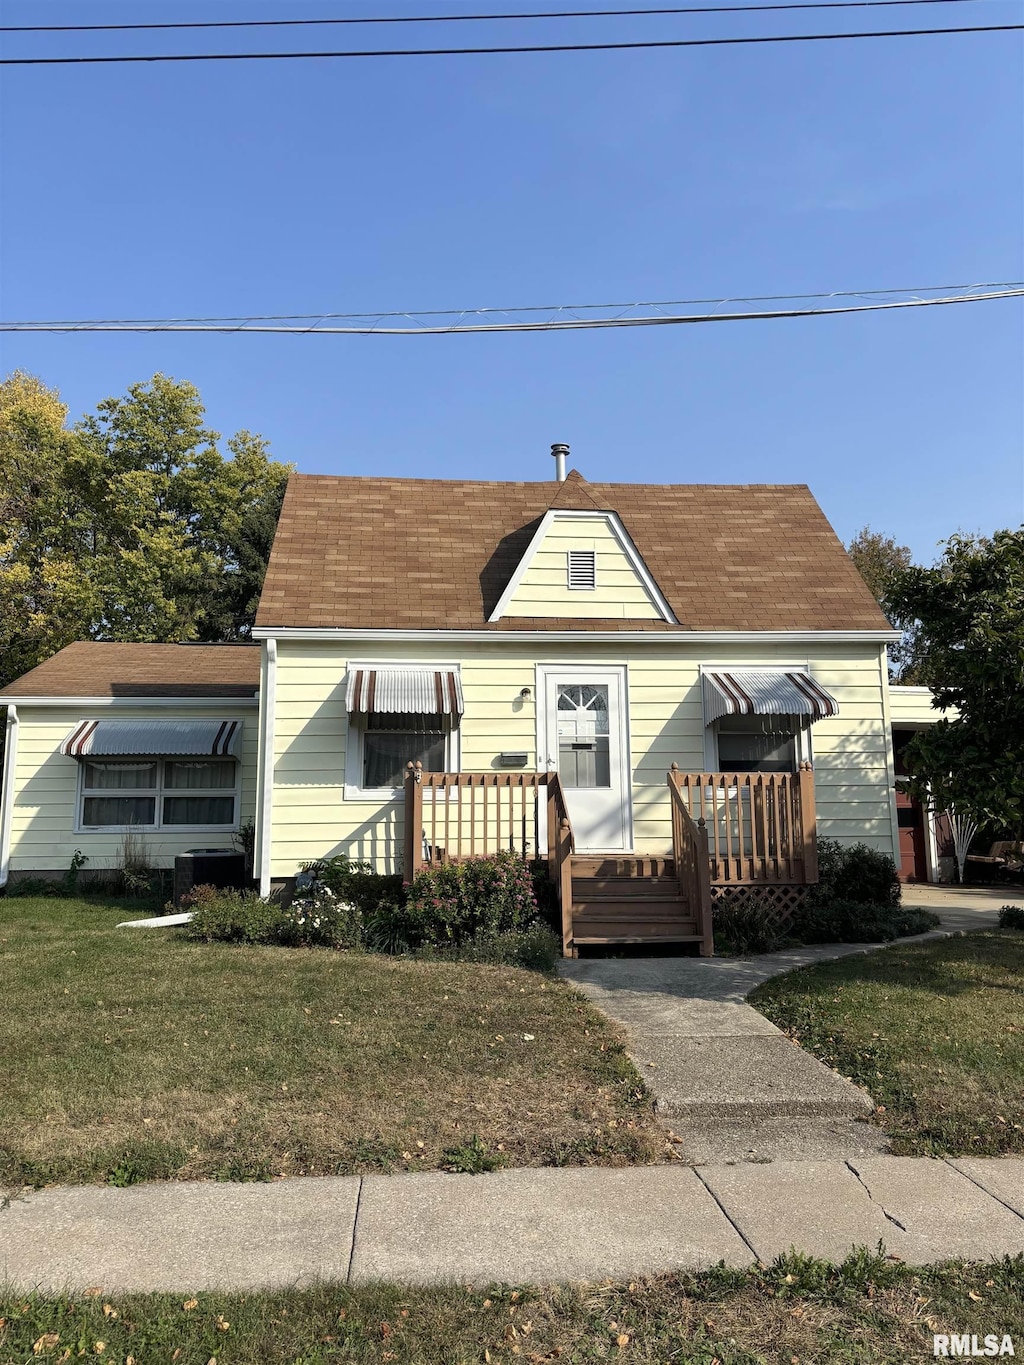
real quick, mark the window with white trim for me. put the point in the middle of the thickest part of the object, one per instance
(159, 793)
(757, 744)
(391, 741)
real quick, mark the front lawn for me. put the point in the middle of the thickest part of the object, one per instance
(133, 1054)
(934, 1031)
(868, 1311)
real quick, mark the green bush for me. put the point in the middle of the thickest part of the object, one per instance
(746, 924)
(845, 921)
(536, 949)
(1011, 917)
(855, 872)
(355, 882)
(447, 905)
(228, 916)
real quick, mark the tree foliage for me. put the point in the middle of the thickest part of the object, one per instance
(970, 652)
(881, 560)
(130, 525)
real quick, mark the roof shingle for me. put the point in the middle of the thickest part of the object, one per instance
(399, 554)
(92, 668)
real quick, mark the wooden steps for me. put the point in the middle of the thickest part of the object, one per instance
(618, 899)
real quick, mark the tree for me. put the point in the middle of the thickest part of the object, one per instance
(970, 652)
(130, 525)
(880, 561)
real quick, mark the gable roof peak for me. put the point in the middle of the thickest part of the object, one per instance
(574, 495)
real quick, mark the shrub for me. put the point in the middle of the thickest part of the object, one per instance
(449, 904)
(536, 950)
(747, 923)
(355, 882)
(1011, 917)
(845, 921)
(229, 916)
(855, 872)
(134, 871)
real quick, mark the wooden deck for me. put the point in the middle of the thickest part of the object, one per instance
(728, 829)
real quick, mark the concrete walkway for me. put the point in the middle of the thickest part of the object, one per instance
(732, 1085)
(520, 1226)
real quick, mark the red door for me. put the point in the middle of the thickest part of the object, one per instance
(909, 813)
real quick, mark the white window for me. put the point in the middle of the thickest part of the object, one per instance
(159, 793)
(582, 570)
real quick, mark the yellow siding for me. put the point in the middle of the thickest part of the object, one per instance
(313, 818)
(620, 591)
(46, 789)
(913, 706)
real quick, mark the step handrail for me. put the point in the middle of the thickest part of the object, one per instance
(692, 863)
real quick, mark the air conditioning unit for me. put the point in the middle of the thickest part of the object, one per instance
(208, 867)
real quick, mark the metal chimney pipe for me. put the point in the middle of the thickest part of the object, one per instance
(559, 453)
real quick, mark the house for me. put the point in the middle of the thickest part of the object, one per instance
(669, 691)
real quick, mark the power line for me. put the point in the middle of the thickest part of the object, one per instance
(467, 18)
(248, 325)
(490, 51)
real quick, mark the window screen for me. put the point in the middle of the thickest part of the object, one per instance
(393, 741)
(756, 744)
(582, 569)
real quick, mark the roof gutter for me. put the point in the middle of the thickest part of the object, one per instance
(676, 637)
(7, 800)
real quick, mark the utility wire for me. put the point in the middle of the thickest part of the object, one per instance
(488, 51)
(552, 325)
(468, 18)
(234, 319)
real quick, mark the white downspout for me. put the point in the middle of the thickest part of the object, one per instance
(7, 808)
(265, 814)
(890, 762)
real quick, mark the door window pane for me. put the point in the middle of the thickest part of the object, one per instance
(584, 758)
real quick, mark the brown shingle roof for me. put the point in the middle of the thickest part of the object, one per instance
(391, 554)
(94, 669)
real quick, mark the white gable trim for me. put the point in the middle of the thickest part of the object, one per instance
(620, 533)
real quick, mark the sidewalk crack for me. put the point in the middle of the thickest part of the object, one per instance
(867, 1189)
(355, 1230)
(725, 1213)
(978, 1185)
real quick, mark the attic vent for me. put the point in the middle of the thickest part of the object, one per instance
(582, 569)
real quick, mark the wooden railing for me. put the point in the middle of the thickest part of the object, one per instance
(760, 826)
(690, 854)
(453, 816)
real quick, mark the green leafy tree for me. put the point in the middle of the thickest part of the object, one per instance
(881, 560)
(970, 652)
(131, 525)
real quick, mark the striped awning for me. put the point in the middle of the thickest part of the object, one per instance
(766, 693)
(153, 738)
(404, 691)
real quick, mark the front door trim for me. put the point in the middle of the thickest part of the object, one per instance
(618, 675)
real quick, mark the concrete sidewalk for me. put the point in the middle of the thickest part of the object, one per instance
(522, 1226)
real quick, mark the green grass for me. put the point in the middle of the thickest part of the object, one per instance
(134, 1054)
(867, 1311)
(934, 1031)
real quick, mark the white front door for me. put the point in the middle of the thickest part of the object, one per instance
(584, 737)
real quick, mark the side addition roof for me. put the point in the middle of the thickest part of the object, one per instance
(92, 668)
(414, 554)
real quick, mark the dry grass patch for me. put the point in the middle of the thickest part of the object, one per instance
(133, 1054)
(935, 1031)
(868, 1311)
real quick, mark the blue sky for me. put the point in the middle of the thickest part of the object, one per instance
(245, 188)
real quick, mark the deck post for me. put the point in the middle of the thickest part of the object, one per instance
(707, 930)
(809, 824)
(412, 857)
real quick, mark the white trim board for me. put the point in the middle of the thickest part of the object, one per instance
(621, 535)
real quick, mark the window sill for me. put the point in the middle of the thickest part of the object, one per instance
(156, 829)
